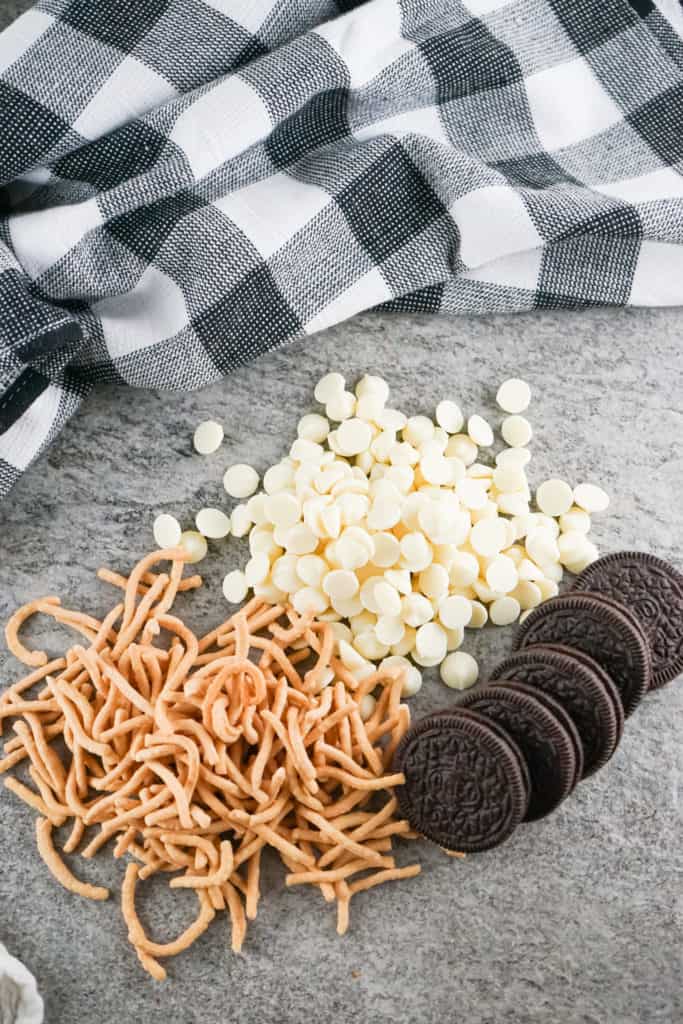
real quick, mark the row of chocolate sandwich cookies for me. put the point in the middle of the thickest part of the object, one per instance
(552, 713)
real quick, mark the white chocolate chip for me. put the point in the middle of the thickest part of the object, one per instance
(341, 406)
(449, 416)
(328, 386)
(257, 569)
(480, 431)
(235, 587)
(516, 431)
(480, 616)
(353, 436)
(455, 612)
(462, 447)
(591, 498)
(213, 523)
(313, 427)
(501, 574)
(208, 437)
(240, 481)
(282, 509)
(416, 610)
(459, 671)
(431, 641)
(167, 531)
(554, 497)
(514, 395)
(195, 545)
(575, 520)
(504, 610)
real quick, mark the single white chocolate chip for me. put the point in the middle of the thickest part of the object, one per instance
(501, 574)
(257, 569)
(195, 545)
(449, 416)
(235, 587)
(591, 498)
(514, 395)
(575, 520)
(455, 612)
(504, 610)
(240, 480)
(480, 431)
(313, 427)
(516, 431)
(459, 671)
(167, 531)
(431, 641)
(208, 437)
(554, 497)
(328, 387)
(240, 521)
(213, 523)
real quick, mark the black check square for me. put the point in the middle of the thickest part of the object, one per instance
(118, 23)
(389, 204)
(320, 122)
(469, 59)
(250, 320)
(172, 51)
(589, 25)
(424, 300)
(28, 130)
(131, 150)
(660, 123)
(534, 170)
(587, 271)
(147, 229)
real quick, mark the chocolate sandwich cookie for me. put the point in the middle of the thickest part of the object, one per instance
(547, 747)
(588, 697)
(653, 592)
(601, 630)
(466, 786)
(555, 708)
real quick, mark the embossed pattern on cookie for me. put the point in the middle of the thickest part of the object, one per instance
(586, 623)
(652, 590)
(465, 788)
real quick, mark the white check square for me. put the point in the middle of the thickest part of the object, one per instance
(518, 270)
(368, 39)
(568, 104)
(270, 212)
(130, 91)
(492, 221)
(225, 121)
(41, 238)
(19, 444)
(658, 275)
(151, 312)
(21, 34)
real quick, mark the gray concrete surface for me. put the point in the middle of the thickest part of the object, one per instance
(577, 919)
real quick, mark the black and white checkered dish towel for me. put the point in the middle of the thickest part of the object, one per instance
(185, 184)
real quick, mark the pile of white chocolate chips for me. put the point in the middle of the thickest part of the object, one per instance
(392, 529)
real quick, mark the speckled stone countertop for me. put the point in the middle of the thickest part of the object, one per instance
(577, 919)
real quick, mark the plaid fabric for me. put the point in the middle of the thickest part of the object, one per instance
(186, 184)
